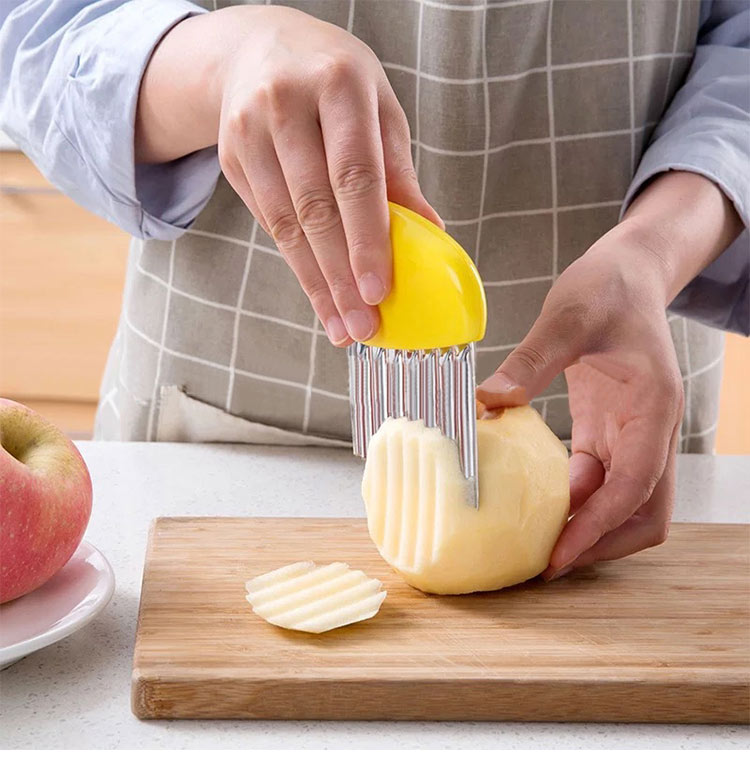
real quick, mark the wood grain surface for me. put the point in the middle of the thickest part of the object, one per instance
(733, 432)
(663, 636)
(62, 271)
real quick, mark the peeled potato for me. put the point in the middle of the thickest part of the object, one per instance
(421, 521)
(308, 598)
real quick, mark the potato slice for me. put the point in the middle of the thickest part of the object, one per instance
(315, 599)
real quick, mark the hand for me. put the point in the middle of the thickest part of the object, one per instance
(310, 135)
(603, 322)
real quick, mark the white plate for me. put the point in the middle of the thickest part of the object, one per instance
(68, 601)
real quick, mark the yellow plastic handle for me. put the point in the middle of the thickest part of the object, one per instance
(437, 299)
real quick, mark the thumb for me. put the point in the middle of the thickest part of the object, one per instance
(530, 368)
(401, 178)
(405, 190)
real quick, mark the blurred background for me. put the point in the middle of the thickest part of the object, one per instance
(61, 277)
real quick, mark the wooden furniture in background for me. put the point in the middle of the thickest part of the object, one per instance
(661, 636)
(733, 434)
(61, 278)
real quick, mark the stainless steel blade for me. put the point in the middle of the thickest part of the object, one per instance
(434, 386)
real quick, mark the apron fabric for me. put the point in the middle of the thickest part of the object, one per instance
(526, 130)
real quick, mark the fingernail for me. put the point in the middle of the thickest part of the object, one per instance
(359, 325)
(560, 573)
(336, 330)
(372, 289)
(499, 383)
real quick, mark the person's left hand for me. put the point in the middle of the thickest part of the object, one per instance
(604, 323)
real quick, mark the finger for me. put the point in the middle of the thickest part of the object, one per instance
(639, 460)
(401, 178)
(637, 533)
(299, 147)
(235, 175)
(646, 528)
(553, 343)
(275, 205)
(586, 476)
(354, 155)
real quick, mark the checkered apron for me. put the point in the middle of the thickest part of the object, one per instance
(526, 131)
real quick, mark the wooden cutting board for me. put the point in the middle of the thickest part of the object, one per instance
(663, 636)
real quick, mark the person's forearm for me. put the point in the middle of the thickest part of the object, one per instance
(180, 97)
(309, 134)
(686, 222)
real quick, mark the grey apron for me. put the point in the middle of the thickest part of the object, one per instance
(526, 132)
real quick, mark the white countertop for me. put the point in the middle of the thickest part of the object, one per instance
(76, 693)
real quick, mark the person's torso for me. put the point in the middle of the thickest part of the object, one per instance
(527, 122)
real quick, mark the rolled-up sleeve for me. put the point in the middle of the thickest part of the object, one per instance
(70, 72)
(706, 130)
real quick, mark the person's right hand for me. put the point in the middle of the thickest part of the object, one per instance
(313, 139)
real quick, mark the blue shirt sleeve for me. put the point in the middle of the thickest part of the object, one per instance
(70, 72)
(706, 130)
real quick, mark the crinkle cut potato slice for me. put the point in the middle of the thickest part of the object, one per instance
(309, 598)
(420, 519)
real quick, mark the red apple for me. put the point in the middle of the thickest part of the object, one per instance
(45, 499)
